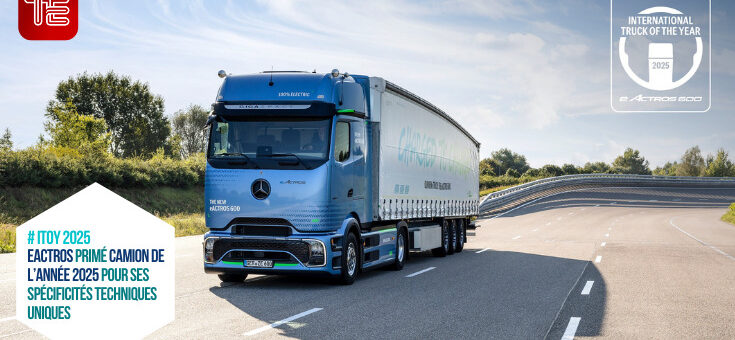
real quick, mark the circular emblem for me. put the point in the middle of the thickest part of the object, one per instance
(261, 189)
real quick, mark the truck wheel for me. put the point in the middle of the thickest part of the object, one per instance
(401, 249)
(444, 249)
(350, 260)
(460, 236)
(452, 236)
(232, 277)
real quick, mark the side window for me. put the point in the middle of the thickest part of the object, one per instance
(342, 141)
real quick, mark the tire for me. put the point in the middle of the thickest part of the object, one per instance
(401, 249)
(460, 236)
(444, 249)
(452, 236)
(350, 260)
(235, 278)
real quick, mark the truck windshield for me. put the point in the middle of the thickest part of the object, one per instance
(271, 144)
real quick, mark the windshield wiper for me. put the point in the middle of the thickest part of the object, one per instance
(238, 154)
(298, 159)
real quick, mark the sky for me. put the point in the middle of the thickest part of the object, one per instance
(532, 76)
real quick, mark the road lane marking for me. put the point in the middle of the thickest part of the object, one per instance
(517, 237)
(12, 334)
(603, 244)
(598, 258)
(587, 287)
(421, 272)
(7, 319)
(482, 251)
(278, 323)
(671, 221)
(571, 328)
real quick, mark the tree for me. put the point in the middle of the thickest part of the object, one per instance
(569, 169)
(69, 129)
(133, 114)
(692, 163)
(489, 167)
(512, 173)
(6, 141)
(189, 125)
(507, 159)
(596, 168)
(720, 165)
(532, 173)
(552, 170)
(669, 169)
(631, 162)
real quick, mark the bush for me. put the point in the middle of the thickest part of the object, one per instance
(56, 167)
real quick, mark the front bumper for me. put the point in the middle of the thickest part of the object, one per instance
(225, 253)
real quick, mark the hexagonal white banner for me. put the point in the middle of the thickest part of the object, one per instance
(95, 266)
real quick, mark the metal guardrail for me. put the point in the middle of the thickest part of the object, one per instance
(503, 200)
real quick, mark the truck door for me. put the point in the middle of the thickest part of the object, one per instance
(343, 172)
(348, 169)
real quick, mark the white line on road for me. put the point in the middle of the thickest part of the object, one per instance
(278, 323)
(671, 221)
(598, 258)
(587, 287)
(603, 244)
(517, 237)
(7, 319)
(421, 272)
(482, 251)
(571, 328)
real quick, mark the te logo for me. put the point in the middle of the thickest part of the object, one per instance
(48, 19)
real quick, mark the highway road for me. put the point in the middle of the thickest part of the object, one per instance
(607, 263)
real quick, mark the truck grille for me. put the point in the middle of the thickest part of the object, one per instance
(299, 249)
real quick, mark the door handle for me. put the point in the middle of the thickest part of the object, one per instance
(349, 193)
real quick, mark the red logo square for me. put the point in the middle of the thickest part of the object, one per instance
(48, 19)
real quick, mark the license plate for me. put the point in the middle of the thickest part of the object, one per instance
(259, 263)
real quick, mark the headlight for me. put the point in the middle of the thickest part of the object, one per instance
(316, 253)
(209, 249)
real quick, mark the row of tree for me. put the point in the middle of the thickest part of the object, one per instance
(508, 163)
(115, 114)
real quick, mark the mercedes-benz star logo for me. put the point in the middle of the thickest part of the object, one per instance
(261, 189)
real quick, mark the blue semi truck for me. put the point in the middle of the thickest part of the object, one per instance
(332, 174)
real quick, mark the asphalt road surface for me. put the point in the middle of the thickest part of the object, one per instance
(608, 263)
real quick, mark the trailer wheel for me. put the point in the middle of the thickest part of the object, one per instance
(460, 236)
(401, 249)
(350, 260)
(232, 277)
(444, 249)
(452, 236)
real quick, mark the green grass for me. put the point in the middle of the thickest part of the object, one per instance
(182, 208)
(492, 190)
(729, 216)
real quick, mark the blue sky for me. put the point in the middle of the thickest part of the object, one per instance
(531, 76)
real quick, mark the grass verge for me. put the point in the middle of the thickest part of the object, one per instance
(729, 216)
(182, 208)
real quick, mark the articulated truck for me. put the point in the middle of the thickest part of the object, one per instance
(331, 174)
